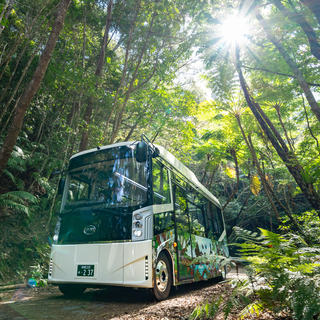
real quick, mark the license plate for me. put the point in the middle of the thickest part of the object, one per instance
(85, 270)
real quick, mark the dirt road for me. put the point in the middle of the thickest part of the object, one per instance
(110, 303)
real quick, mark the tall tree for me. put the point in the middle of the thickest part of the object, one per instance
(33, 86)
(294, 68)
(98, 75)
(314, 7)
(5, 13)
(288, 158)
(301, 20)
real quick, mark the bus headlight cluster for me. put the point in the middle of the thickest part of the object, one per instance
(138, 216)
(57, 231)
(137, 233)
(137, 225)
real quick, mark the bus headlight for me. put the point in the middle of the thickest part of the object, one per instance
(138, 216)
(57, 231)
(137, 233)
(142, 225)
(138, 224)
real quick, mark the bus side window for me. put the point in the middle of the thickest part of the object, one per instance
(219, 219)
(162, 222)
(161, 186)
(197, 223)
(214, 227)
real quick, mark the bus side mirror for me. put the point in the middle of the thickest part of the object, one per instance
(61, 186)
(141, 152)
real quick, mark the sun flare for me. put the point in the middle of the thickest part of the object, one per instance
(234, 29)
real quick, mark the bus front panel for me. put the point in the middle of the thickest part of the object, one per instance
(123, 264)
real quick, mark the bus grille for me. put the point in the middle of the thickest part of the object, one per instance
(146, 267)
(50, 267)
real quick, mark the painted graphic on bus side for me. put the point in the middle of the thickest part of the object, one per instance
(199, 258)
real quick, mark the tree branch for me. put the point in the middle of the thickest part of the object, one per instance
(280, 74)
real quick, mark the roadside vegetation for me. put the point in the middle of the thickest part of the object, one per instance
(282, 276)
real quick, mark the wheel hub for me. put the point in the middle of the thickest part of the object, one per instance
(162, 276)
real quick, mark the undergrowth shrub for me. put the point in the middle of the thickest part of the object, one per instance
(283, 274)
(27, 203)
(240, 300)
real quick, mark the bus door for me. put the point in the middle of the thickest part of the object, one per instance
(183, 235)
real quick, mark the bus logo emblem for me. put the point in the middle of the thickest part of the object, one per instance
(89, 230)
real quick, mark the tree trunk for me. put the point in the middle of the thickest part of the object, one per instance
(300, 19)
(210, 181)
(269, 190)
(124, 71)
(314, 7)
(134, 127)
(234, 155)
(33, 86)
(85, 130)
(307, 118)
(205, 171)
(26, 35)
(7, 10)
(277, 107)
(21, 77)
(234, 221)
(260, 173)
(294, 68)
(134, 76)
(290, 161)
(77, 112)
(98, 74)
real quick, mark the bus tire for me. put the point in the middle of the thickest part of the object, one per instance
(223, 273)
(163, 278)
(72, 290)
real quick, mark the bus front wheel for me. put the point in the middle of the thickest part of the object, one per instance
(72, 290)
(163, 278)
(223, 273)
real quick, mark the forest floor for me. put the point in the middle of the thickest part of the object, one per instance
(114, 303)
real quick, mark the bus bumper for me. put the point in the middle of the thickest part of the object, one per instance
(126, 264)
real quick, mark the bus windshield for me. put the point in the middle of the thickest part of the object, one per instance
(111, 177)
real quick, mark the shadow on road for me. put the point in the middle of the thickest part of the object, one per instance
(130, 295)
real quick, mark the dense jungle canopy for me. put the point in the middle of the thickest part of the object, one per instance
(231, 88)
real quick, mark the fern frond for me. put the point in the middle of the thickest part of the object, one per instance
(255, 184)
(253, 308)
(18, 182)
(18, 200)
(18, 207)
(43, 182)
(231, 172)
(18, 195)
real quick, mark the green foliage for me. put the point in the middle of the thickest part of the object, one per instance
(18, 201)
(199, 132)
(283, 275)
(284, 270)
(40, 270)
(240, 297)
(206, 310)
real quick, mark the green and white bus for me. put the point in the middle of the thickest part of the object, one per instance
(133, 215)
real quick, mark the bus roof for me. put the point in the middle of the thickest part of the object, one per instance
(171, 159)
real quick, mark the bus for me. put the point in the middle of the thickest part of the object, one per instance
(133, 215)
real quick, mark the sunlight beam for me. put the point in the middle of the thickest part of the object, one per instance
(234, 29)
